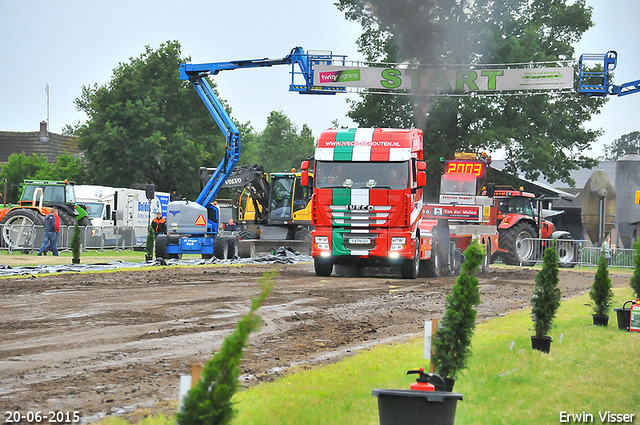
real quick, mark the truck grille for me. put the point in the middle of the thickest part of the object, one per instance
(376, 215)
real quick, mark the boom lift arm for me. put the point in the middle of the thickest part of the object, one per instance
(594, 81)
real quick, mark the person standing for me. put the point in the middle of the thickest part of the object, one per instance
(51, 230)
(606, 247)
(159, 224)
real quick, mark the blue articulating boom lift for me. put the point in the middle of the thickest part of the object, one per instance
(594, 80)
(192, 227)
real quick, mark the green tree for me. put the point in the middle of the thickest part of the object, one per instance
(21, 167)
(601, 292)
(281, 146)
(546, 294)
(629, 142)
(455, 330)
(148, 126)
(540, 134)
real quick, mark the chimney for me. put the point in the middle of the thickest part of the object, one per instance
(44, 133)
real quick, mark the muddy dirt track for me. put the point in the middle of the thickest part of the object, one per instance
(109, 343)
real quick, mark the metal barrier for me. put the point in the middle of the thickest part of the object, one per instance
(619, 257)
(572, 252)
(25, 237)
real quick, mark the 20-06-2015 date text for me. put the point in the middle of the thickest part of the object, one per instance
(50, 417)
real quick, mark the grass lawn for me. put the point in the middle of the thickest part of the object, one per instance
(589, 369)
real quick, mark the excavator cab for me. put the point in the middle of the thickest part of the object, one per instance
(289, 200)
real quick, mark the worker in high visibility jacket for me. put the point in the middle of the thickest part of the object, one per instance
(159, 224)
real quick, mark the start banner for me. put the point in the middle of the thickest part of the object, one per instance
(432, 80)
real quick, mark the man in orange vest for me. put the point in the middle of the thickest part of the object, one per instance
(159, 224)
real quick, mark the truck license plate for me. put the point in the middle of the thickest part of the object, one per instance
(360, 241)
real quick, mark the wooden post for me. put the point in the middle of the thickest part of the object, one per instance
(196, 373)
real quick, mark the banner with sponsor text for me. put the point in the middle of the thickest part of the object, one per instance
(433, 80)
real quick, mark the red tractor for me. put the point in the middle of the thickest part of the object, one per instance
(521, 223)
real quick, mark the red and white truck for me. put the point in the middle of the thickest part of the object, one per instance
(368, 208)
(367, 199)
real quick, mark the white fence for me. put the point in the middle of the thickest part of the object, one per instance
(25, 237)
(572, 253)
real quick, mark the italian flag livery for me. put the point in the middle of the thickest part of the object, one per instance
(367, 205)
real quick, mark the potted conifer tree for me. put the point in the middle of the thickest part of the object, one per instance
(601, 293)
(545, 301)
(76, 247)
(455, 330)
(151, 238)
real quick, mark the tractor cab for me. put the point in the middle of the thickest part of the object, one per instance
(47, 192)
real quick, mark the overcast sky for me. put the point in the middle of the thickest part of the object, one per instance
(70, 43)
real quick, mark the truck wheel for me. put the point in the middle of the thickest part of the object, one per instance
(432, 266)
(161, 246)
(567, 253)
(519, 250)
(19, 229)
(232, 247)
(220, 247)
(410, 268)
(84, 221)
(323, 267)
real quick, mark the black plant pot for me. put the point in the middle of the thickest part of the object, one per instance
(406, 407)
(75, 261)
(541, 343)
(624, 316)
(600, 320)
(449, 383)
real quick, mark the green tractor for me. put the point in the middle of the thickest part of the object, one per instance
(18, 222)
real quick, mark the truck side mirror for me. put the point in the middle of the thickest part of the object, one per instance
(304, 177)
(421, 179)
(421, 166)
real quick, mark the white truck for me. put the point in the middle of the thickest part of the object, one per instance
(119, 217)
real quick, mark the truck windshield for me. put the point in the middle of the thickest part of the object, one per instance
(362, 175)
(458, 184)
(94, 209)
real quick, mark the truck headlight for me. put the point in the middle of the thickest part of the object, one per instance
(398, 243)
(322, 239)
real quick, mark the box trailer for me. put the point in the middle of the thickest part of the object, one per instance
(119, 216)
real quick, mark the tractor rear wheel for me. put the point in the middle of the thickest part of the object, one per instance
(519, 249)
(19, 227)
